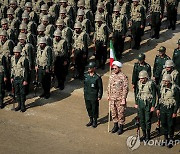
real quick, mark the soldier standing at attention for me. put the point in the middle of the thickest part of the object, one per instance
(44, 66)
(159, 62)
(93, 91)
(19, 77)
(138, 67)
(146, 100)
(167, 108)
(117, 94)
(176, 57)
(137, 22)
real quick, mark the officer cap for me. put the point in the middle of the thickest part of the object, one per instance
(77, 25)
(141, 57)
(57, 32)
(117, 63)
(166, 77)
(91, 65)
(80, 12)
(100, 5)
(63, 1)
(22, 36)
(25, 15)
(28, 4)
(44, 7)
(143, 74)
(178, 41)
(63, 10)
(10, 11)
(23, 26)
(17, 48)
(98, 17)
(3, 33)
(42, 40)
(169, 63)
(162, 49)
(45, 18)
(81, 3)
(12, 2)
(116, 8)
(4, 21)
(41, 27)
(60, 22)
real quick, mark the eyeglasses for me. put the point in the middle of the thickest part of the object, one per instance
(114, 68)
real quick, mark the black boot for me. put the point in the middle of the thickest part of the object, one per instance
(90, 122)
(115, 128)
(165, 141)
(47, 95)
(94, 125)
(120, 130)
(148, 135)
(23, 108)
(42, 95)
(18, 107)
(170, 142)
(144, 136)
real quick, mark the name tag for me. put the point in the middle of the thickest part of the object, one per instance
(92, 85)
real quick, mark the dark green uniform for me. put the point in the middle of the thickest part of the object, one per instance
(168, 104)
(176, 58)
(158, 66)
(93, 89)
(146, 98)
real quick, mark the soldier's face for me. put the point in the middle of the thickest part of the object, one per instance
(168, 69)
(23, 30)
(63, 15)
(80, 18)
(41, 32)
(3, 38)
(42, 45)
(91, 70)
(25, 20)
(5, 26)
(141, 61)
(44, 12)
(60, 27)
(161, 54)
(28, 9)
(10, 16)
(100, 9)
(17, 54)
(135, 3)
(45, 23)
(120, 1)
(166, 83)
(99, 23)
(63, 4)
(116, 13)
(22, 41)
(81, 7)
(57, 38)
(13, 5)
(78, 30)
(143, 80)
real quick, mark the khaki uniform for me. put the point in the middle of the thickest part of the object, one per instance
(118, 90)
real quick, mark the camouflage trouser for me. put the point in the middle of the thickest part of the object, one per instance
(117, 111)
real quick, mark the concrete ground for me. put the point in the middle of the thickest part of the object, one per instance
(57, 125)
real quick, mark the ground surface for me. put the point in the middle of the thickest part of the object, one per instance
(57, 125)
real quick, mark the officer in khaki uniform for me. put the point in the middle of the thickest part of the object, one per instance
(19, 77)
(176, 56)
(138, 67)
(117, 93)
(159, 62)
(60, 52)
(146, 100)
(137, 22)
(43, 66)
(93, 91)
(167, 107)
(80, 50)
(169, 69)
(101, 41)
(157, 10)
(119, 25)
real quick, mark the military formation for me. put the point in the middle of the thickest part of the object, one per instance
(42, 39)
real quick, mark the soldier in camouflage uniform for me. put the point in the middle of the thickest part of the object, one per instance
(169, 69)
(93, 91)
(172, 6)
(44, 11)
(138, 67)
(60, 52)
(119, 31)
(157, 10)
(19, 77)
(117, 94)
(80, 50)
(43, 66)
(167, 107)
(176, 56)
(137, 22)
(159, 62)
(101, 41)
(146, 100)
(17, 10)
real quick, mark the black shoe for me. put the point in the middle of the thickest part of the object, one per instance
(115, 128)
(134, 47)
(90, 122)
(170, 143)
(42, 95)
(143, 138)
(165, 141)
(94, 125)
(47, 96)
(120, 130)
(153, 36)
(157, 37)
(169, 27)
(148, 135)
(17, 108)
(23, 109)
